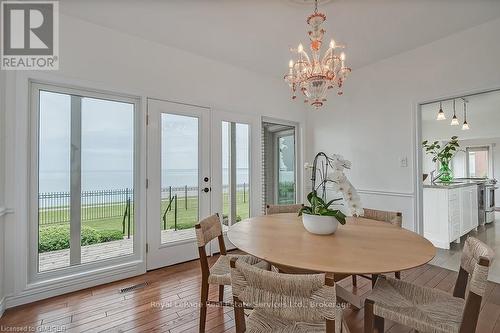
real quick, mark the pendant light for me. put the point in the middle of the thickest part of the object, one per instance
(454, 120)
(441, 115)
(465, 126)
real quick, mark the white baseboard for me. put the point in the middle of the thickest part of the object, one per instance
(36, 293)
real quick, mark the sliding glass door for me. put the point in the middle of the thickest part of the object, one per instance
(84, 177)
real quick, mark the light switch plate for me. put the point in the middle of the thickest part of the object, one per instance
(404, 162)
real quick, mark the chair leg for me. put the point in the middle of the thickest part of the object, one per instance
(354, 281)
(221, 293)
(397, 275)
(203, 305)
(239, 315)
(330, 326)
(374, 279)
(379, 324)
(369, 316)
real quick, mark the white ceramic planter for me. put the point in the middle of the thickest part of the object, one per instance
(320, 225)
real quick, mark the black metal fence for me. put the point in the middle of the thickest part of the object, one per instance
(54, 207)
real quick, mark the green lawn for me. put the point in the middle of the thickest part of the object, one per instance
(186, 218)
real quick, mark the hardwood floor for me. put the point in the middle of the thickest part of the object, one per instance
(169, 304)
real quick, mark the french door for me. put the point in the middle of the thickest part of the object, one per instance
(198, 165)
(179, 180)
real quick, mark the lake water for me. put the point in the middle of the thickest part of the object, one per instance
(109, 179)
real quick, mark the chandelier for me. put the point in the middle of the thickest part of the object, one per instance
(314, 76)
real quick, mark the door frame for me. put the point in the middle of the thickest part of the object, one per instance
(157, 253)
(299, 152)
(417, 126)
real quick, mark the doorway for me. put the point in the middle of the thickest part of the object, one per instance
(279, 162)
(198, 165)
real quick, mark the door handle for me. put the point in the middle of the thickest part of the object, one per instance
(206, 189)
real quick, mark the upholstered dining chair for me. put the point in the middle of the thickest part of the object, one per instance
(430, 310)
(220, 272)
(394, 218)
(283, 302)
(278, 209)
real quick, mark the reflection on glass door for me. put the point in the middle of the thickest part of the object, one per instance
(286, 168)
(179, 177)
(235, 172)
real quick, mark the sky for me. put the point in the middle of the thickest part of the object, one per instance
(107, 144)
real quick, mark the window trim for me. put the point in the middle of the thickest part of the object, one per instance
(34, 276)
(488, 149)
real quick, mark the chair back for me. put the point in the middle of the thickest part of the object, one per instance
(295, 297)
(278, 209)
(475, 250)
(395, 218)
(472, 280)
(208, 229)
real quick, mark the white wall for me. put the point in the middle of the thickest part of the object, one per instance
(101, 58)
(373, 123)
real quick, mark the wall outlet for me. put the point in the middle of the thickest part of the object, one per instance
(403, 162)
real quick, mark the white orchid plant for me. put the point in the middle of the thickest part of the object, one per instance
(332, 176)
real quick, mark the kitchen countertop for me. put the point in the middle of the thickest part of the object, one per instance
(451, 184)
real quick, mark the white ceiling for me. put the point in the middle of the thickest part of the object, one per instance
(257, 34)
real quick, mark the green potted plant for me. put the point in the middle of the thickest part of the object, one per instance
(443, 154)
(319, 218)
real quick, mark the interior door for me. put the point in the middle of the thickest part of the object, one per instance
(179, 180)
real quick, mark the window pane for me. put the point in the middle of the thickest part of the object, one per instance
(242, 172)
(179, 177)
(53, 180)
(107, 179)
(235, 172)
(286, 169)
(86, 154)
(478, 163)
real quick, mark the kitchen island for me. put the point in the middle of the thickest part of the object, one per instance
(450, 211)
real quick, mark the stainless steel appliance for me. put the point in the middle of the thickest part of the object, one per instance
(490, 188)
(481, 202)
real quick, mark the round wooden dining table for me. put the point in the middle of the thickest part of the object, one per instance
(361, 246)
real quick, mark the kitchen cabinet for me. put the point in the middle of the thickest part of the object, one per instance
(450, 211)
